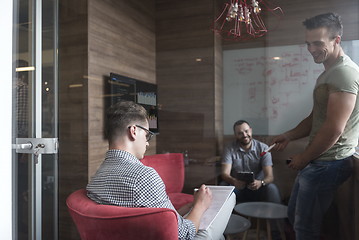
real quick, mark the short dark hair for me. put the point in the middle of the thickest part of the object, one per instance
(239, 122)
(331, 21)
(121, 115)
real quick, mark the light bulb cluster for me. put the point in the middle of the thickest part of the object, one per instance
(256, 7)
(242, 11)
(241, 19)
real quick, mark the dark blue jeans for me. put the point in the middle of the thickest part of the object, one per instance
(312, 194)
(268, 193)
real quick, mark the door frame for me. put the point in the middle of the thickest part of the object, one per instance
(6, 71)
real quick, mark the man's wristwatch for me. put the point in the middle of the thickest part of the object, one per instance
(263, 183)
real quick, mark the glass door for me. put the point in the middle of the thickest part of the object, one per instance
(35, 121)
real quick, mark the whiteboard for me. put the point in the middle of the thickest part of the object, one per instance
(271, 87)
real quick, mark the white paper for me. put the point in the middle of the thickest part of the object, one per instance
(220, 194)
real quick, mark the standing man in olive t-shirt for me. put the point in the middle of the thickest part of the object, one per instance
(332, 127)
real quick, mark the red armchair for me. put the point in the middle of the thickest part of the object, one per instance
(170, 167)
(96, 221)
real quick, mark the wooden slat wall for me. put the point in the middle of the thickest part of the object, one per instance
(73, 107)
(96, 38)
(218, 94)
(121, 40)
(188, 90)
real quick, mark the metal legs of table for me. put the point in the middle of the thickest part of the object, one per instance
(269, 229)
(267, 211)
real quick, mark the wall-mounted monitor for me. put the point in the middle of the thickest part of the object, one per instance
(143, 93)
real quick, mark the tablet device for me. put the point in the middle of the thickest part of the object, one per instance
(247, 177)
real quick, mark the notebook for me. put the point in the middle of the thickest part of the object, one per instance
(220, 194)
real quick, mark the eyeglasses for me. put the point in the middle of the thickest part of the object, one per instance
(149, 134)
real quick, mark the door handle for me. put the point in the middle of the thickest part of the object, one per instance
(21, 146)
(36, 145)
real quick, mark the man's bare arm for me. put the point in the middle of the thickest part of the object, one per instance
(268, 174)
(340, 107)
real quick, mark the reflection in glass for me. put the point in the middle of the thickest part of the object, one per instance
(24, 117)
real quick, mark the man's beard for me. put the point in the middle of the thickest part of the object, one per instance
(246, 142)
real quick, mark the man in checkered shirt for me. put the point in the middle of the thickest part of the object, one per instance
(124, 181)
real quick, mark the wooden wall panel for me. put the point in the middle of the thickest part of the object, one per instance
(121, 40)
(187, 88)
(218, 94)
(184, 24)
(73, 132)
(96, 38)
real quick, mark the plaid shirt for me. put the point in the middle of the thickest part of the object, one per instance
(124, 181)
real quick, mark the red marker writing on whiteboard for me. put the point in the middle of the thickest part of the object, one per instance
(267, 150)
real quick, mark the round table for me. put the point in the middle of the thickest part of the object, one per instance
(237, 224)
(263, 210)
